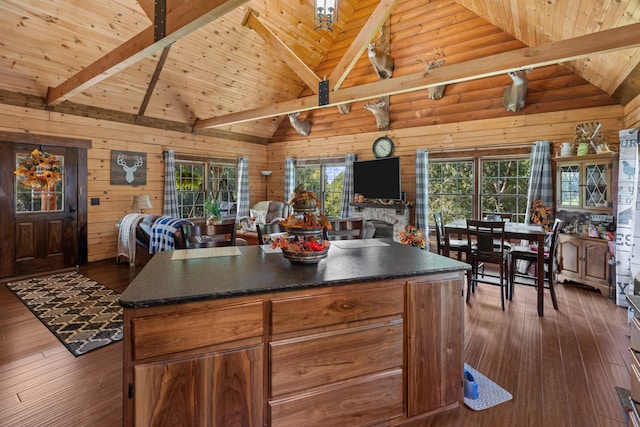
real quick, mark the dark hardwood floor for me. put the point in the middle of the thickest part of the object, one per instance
(561, 369)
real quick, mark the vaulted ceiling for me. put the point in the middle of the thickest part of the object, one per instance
(234, 68)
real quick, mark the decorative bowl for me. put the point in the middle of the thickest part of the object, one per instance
(305, 257)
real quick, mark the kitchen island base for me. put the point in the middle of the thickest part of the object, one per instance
(377, 352)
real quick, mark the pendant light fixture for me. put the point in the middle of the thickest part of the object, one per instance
(325, 14)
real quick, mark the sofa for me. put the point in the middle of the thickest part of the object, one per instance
(135, 236)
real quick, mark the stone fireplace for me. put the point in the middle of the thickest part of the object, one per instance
(396, 215)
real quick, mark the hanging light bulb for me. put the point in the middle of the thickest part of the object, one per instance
(325, 14)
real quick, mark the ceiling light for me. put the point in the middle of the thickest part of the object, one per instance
(325, 14)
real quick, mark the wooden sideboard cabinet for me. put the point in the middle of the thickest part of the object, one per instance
(584, 260)
(586, 182)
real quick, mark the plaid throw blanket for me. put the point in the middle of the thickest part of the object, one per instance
(162, 232)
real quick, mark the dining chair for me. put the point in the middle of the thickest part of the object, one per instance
(210, 236)
(345, 229)
(266, 231)
(456, 245)
(485, 240)
(524, 253)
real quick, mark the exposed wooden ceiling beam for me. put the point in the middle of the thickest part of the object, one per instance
(562, 51)
(148, 6)
(291, 59)
(185, 18)
(371, 27)
(154, 80)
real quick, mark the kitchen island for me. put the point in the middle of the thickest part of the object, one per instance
(237, 336)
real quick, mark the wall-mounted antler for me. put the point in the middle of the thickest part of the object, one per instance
(436, 92)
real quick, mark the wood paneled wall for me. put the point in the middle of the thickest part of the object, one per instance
(470, 117)
(462, 36)
(632, 114)
(488, 136)
(505, 133)
(115, 200)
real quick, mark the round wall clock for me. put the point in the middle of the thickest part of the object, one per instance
(382, 147)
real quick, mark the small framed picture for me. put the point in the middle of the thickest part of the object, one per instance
(128, 168)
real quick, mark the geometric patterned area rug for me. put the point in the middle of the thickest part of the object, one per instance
(489, 393)
(82, 313)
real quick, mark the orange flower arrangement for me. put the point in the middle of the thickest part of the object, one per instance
(412, 236)
(40, 169)
(541, 215)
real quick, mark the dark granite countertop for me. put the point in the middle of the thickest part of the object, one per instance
(167, 281)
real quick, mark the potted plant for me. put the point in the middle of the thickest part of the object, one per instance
(212, 208)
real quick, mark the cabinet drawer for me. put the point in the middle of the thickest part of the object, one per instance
(635, 376)
(634, 332)
(180, 331)
(303, 363)
(295, 314)
(367, 401)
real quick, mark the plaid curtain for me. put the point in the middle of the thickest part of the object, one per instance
(289, 178)
(170, 207)
(243, 188)
(422, 192)
(346, 211)
(540, 179)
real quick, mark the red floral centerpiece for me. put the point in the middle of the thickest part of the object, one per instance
(304, 240)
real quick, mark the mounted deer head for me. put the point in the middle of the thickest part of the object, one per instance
(129, 170)
(382, 116)
(382, 62)
(303, 127)
(514, 96)
(344, 108)
(435, 92)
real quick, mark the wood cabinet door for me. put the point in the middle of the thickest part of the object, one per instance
(596, 255)
(435, 322)
(220, 390)
(569, 254)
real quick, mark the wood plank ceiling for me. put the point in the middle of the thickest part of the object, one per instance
(219, 69)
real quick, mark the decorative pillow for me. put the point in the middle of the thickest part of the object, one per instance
(258, 216)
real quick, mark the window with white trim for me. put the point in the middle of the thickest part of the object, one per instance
(197, 181)
(470, 188)
(325, 178)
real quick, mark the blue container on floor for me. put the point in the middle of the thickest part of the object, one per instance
(470, 386)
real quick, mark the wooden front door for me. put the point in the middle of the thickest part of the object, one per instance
(43, 226)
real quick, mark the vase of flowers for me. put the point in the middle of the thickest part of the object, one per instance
(541, 215)
(413, 236)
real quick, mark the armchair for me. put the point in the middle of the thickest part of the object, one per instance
(265, 212)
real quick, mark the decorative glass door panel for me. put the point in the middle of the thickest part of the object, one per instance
(596, 185)
(569, 185)
(39, 182)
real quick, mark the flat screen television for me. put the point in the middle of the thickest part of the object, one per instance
(378, 179)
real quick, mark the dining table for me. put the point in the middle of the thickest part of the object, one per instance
(513, 231)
